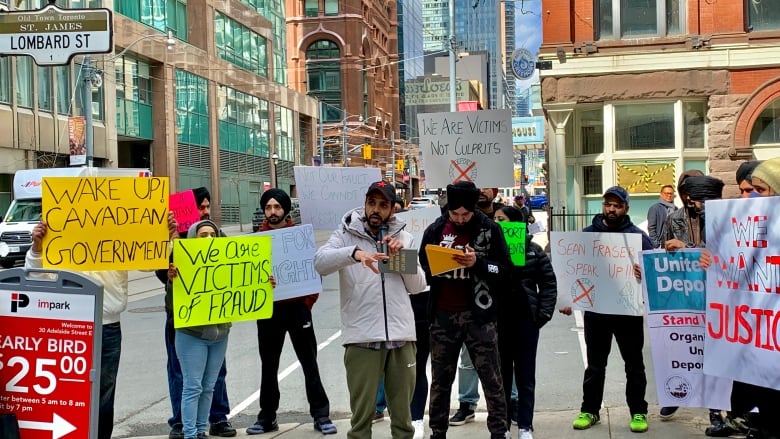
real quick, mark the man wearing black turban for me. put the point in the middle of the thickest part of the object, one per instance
(745, 177)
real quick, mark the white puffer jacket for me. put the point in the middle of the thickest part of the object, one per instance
(363, 317)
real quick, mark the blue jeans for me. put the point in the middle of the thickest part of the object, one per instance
(109, 367)
(220, 406)
(200, 363)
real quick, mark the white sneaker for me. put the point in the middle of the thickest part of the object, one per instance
(419, 429)
(525, 434)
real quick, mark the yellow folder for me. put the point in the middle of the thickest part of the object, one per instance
(440, 259)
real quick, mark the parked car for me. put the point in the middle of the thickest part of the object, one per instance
(259, 215)
(538, 202)
(420, 203)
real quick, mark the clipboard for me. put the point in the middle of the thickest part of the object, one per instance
(440, 259)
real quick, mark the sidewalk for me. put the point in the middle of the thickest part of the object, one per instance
(688, 423)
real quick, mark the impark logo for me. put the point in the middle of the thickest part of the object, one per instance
(678, 387)
(19, 300)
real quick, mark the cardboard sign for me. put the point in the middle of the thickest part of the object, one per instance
(595, 271)
(440, 259)
(417, 220)
(184, 209)
(105, 223)
(467, 146)
(674, 287)
(293, 251)
(325, 193)
(743, 290)
(222, 280)
(515, 235)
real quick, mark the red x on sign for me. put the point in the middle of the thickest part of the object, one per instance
(585, 293)
(462, 172)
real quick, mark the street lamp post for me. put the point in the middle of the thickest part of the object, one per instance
(274, 162)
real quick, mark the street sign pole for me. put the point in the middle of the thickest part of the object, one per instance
(50, 345)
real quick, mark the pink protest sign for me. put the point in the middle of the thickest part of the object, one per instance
(184, 209)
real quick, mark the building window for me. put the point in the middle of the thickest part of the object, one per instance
(645, 126)
(133, 98)
(45, 94)
(238, 45)
(694, 114)
(763, 14)
(591, 180)
(766, 129)
(285, 138)
(592, 131)
(639, 18)
(323, 69)
(24, 81)
(64, 89)
(243, 123)
(163, 15)
(311, 8)
(192, 109)
(5, 80)
(331, 7)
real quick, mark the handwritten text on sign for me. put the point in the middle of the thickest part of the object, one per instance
(674, 286)
(417, 220)
(326, 194)
(184, 209)
(293, 256)
(743, 283)
(105, 223)
(467, 146)
(595, 270)
(222, 280)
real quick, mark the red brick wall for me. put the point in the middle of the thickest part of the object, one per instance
(747, 81)
(556, 21)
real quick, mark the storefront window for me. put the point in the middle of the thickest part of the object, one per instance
(592, 131)
(645, 126)
(694, 114)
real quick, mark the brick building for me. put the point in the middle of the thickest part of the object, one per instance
(640, 91)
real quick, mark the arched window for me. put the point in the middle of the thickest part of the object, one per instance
(323, 70)
(766, 129)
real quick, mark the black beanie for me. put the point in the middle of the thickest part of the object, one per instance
(462, 194)
(201, 194)
(280, 196)
(745, 170)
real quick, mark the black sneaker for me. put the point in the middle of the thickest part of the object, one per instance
(202, 435)
(464, 415)
(378, 417)
(439, 435)
(325, 426)
(222, 429)
(262, 426)
(177, 432)
(668, 412)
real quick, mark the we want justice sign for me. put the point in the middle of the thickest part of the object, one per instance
(743, 291)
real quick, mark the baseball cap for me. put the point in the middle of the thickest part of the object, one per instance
(519, 197)
(619, 192)
(385, 188)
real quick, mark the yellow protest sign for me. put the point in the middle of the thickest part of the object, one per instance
(222, 280)
(105, 223)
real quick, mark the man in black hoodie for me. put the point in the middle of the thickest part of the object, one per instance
(463, 305)
(627, 330)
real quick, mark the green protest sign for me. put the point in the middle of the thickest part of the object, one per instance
(515, 236)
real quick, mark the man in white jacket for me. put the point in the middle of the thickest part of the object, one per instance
(114, 302)
(376, 313)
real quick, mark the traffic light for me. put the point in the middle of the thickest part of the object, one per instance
(366, 152)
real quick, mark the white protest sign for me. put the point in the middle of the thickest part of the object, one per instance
(417, 220)
(293, 251)
(467, 146)
(675, 287)
(595, 271)
(325, 194)
(743, 291)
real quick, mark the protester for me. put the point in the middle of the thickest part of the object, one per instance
(463, 305)
(658, 212)
(220, 406)
(377, 320)
(291, 316)
(666, 234)
(745, 178)
(486, 203)
(523, 312)
(766, 178)
(115, 289)
(628, 331)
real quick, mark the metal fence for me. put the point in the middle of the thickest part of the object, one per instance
(562, 220)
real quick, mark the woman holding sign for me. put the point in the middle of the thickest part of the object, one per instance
(528, 307)
(201, 352)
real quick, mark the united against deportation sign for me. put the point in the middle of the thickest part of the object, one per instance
(105, 223)
(467, 146)
(222, 280)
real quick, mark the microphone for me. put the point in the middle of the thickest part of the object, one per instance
(382, 246)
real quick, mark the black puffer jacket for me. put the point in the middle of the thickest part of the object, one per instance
(534, 289)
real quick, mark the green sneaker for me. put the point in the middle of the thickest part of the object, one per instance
(638, 423)
(585, 420)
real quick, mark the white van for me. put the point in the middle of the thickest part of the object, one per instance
(25, 210)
